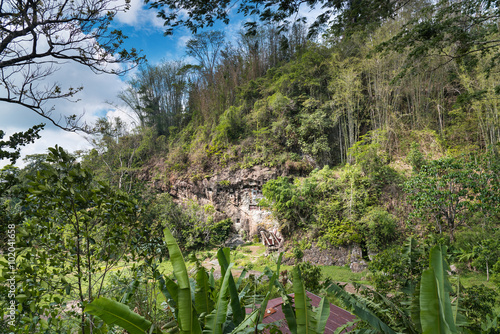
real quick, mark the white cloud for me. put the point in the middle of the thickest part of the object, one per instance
(49, 138)
(97, 99)
(140, 16)
(310, 13)
(126, 115)
(94, 101)
(182, 41)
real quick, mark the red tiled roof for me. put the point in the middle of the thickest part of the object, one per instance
(338, 317)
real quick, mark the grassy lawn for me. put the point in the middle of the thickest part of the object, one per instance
(471, 278)
(251, 256)
(344, 274)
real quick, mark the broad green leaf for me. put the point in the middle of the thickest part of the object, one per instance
(115, 313)
(302, 311)
(216, 319)
(322, 315)
(185, 314)
(430, 311)
(436, 315)
(202, 300)
(238, 311)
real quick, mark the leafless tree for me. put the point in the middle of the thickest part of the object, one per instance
(37, 37)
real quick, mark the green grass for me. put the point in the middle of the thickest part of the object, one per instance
(469, 279)
(344, 274)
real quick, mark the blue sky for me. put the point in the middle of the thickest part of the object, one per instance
(99, 96)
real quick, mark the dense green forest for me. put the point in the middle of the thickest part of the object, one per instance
(382, 120)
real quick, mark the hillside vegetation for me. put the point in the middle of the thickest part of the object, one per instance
(387, 137)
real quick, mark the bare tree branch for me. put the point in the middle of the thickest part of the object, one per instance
(37, 36)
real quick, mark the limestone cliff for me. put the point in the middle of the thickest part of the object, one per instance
(234, 194)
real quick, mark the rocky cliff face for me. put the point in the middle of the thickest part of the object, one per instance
(233, 194)
(236, 194)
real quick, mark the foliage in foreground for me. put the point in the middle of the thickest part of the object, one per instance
(433, 307)
(197, 310)
(71, 232)
(430, 310)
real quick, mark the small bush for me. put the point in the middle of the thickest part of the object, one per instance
(477, 302)
(220, 231)
(415, 158)
(311, 276)
(340, 233)
(379, 229)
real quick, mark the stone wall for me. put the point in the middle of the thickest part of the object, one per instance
(334, 256)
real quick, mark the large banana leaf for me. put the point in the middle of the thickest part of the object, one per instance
(115, 313)
(217, 318)
(238, 311)
(202, 300)
(303, 313)
(359, 309)
(307, 320)
(436, 315)
(248, 322)
(188, 323)
(322, 315)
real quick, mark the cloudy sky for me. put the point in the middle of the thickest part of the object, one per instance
(99, 95)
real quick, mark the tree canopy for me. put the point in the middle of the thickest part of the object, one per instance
(448, 31)
(10, 149)
(342, 14)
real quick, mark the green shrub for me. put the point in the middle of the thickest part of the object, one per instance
(340, 233)
(399, 266)
(230, 126)
(292, 203)
(298, 254)
(379, 229)
(477, 302)
(220, 231)
(311, 275)
(415, 158)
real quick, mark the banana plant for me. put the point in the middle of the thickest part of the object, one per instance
(180, 292)
(116, 313)
(195, 311)
(437, 313)
(431, 309)
(302, 320)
